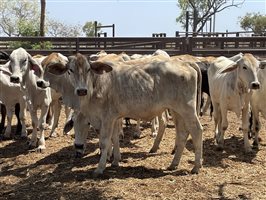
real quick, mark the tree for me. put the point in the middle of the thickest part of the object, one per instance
(89, 28)
(201, 11)
(18, 16)
(60, 29)
(42, 20)
(253, 21)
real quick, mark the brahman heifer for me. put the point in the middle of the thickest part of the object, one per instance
(11, 97)
(109, 92)
(257, 102)
(231, 82)
(4, 57)
(25, 71)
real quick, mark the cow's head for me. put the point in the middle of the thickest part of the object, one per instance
(246, 66)
(20, 64)
(79, 70)
(55, 61)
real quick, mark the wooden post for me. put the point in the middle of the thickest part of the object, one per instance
(187, 22)
(95, 28)
(236, 43)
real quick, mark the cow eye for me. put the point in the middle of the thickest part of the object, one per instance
(244, 67)
(71, 70)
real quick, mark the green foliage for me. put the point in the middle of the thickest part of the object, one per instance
(202, 10)
(253, 21)
(30, 45)
(16, 16)
(89, 28)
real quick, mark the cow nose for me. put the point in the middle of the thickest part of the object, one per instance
(81, 92)
(40, 84)
(14, 79)
(255, 85)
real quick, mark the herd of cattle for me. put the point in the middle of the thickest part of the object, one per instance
(102, 89)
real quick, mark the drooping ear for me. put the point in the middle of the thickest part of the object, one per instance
(35, 66)
(262, 64)
(100, 67)
(4, 55)
(56, 68)
(231, 67)
(54, 65)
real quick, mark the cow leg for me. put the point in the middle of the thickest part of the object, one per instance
(67, 112)
(224, 125)
(154, 126)
(158, 139)
(105, 141)
(3, 112)
(256, 125)
(34, 121)
(217, 121)
(137, 133)
(23, 120)
(115, 140)
(207, 105)
(81, 134)
(17, 112)
(56, 107)
(190, 125)
(245, 128)
(41, 125)
(7, 133)
(180, 142)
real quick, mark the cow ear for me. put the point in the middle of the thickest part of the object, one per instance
(100, 68)
(262, 64)
(56, 66)
(4, 55)
(35, 66)
(230, 68)
(57, 69)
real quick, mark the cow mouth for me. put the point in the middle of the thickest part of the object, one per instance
(82, 92)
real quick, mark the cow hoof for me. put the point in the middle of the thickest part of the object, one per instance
(171, 168)
(115, 164)
(173, 152)
(219, 148)
(78, 155)
(97, 173)
(248, 150)
(195, 170)
(255, 144)
(136, 135)
(23, 137)
(40, 149)
(153, 150)
(6, 137)
(53, 135)
(154, 134)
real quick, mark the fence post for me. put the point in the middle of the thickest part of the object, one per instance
(77, 44)
(222, 42)
(237, 43)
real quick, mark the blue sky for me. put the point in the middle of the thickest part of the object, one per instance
(141, 17)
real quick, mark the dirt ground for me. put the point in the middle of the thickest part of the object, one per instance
(57, 174)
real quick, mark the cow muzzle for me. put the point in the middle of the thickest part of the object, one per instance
(42, 84)
(79, 150)
(255, 85)
(82, 92)
(14, 79)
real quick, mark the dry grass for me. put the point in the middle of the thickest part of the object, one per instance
(56, 174)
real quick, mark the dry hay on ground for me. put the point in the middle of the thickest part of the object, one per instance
(56, 174)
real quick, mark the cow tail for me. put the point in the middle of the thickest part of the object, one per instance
(199, 84)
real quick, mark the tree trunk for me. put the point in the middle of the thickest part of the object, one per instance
(42, 21)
